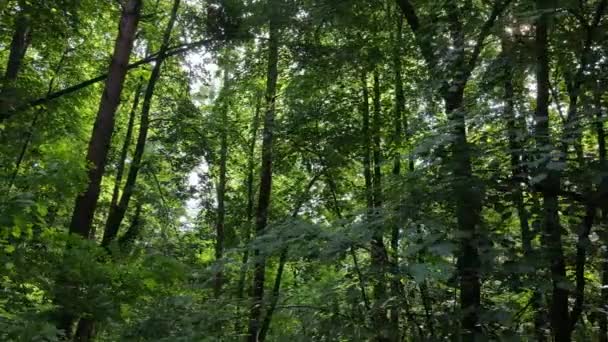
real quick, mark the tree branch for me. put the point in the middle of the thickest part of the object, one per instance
(422, 39)
(497, 10)
(176, 50)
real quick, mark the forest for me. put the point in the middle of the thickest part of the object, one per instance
(303, 170)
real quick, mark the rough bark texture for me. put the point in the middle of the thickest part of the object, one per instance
(117, 212)
(261, 217)
(104, 123)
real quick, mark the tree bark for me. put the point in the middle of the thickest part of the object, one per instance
(221, 189)
(250, 203)
(519, 174)
(603, 189)
(19, 44)
(515, 132)
(117, 212)
(396, 289)
(125, 148)
(466, 190)
(262, 210)
(367, 145)
(550, 185)
(128, 238)
(99, 144)
(276, 289)
(379, 255)
(104, 124)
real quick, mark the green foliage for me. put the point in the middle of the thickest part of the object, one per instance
(365, 221)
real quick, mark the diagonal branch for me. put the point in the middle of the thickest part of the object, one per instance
(499, 7)
(423, 39)
(176, 50)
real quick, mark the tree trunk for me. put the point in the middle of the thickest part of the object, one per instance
(515, 130)
(249, 209)
(128, 238)
(468, 207)
(262, 210)
(396, 289)
(104, 123)
(125, 148)
(19, 45)
(85, 330)
(221, 189)
(550, 185)
(117, 212)
(379, 257)
(467, 192)
(28, 136)
(367, 146)
(603, 189)
(99, 144)
(276, 289)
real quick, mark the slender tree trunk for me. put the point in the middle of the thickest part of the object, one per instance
(379, 257)
(128, 238)
(515, 129)
(276, 289)
(516, 152)
(550, 185)
(603, 189)
(249, 209)
(28, 136)
(221, 189)
(102, 133)
(396, 289)
(125, 148)
(262, 210)
(104, 124)
(117, 212)
(367, 146)
(19, 45)
(352, 251)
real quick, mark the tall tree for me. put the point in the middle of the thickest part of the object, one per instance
(261, 216)
(467, 191)
(221, 185)
(99, 144)
(117, 212)
(550, 185)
